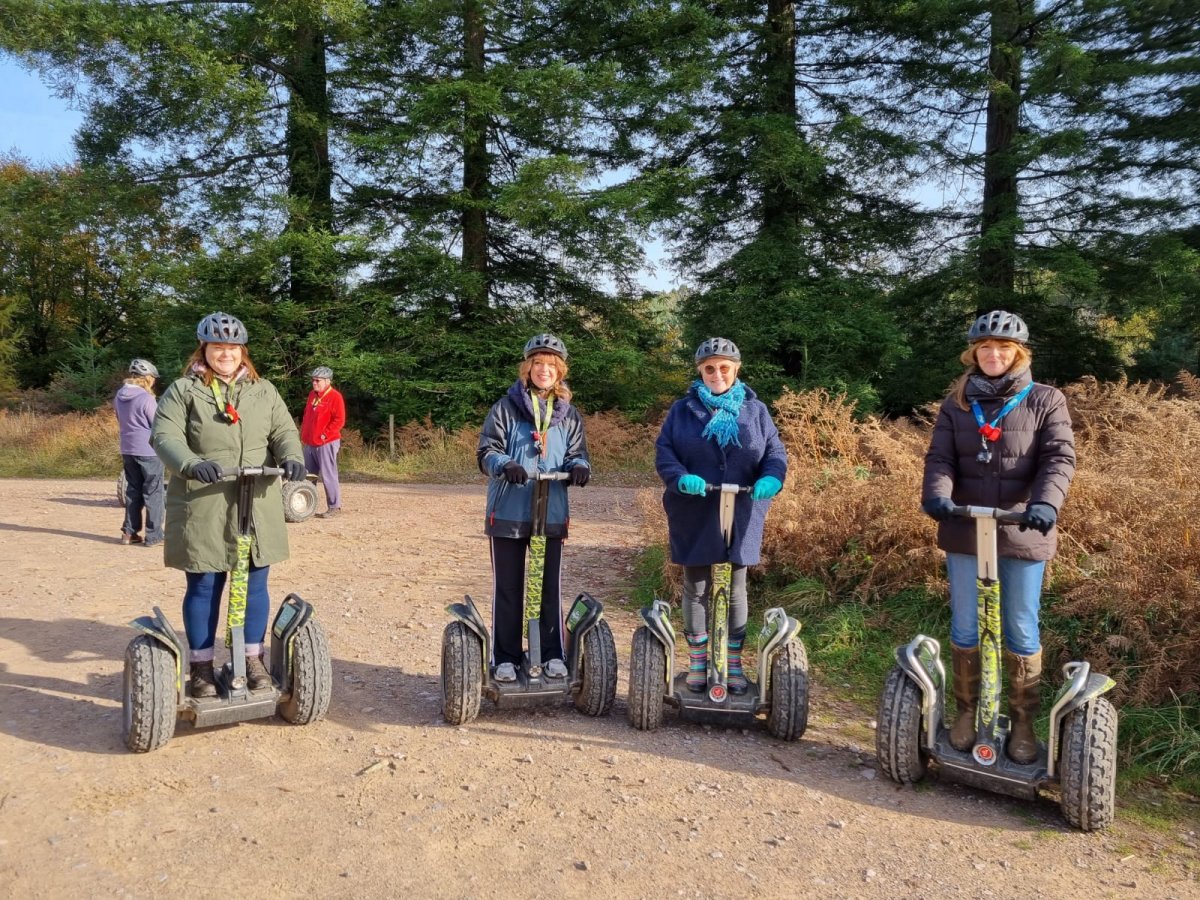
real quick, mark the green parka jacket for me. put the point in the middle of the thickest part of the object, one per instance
(201, 519)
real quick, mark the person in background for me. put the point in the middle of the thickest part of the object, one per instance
(720, 432)
(219, 416)
(532, 428)
(321, 434)
(1005, 441)
(135, 407)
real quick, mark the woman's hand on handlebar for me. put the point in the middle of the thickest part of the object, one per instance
(206, 471)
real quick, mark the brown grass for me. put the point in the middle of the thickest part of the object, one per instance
(1125, 588)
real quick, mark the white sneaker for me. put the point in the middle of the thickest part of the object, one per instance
(506, 673)
(556, 668)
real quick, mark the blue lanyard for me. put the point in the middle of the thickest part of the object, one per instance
(1004, 411)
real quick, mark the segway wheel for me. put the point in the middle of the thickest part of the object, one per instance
(148, 704)
(122, 489)
(462, 673)
(599, 664)
(1089, 765)
(898, 732)
(312, 676)
(299, 500)
(788, 717)
(647, 680)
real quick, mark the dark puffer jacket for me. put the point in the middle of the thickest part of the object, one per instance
(1033, 462)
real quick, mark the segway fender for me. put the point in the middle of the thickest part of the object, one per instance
(292, 614)
(1082, 685)
(157, 627)
(466, 613)
(657, 617)
(778, 628)
(585, 613)
(921, 660)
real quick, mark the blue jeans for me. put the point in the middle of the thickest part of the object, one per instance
(143, 491)
(1020, 601)
(202, 607)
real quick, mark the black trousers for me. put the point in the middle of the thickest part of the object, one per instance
(508, 600)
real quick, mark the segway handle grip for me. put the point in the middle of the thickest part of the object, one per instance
(550, 476)
(730, 488)
(239, 471)
(988, 512)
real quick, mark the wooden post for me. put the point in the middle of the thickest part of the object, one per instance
(391, 436)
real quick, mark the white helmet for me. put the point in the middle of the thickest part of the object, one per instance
(141, 367)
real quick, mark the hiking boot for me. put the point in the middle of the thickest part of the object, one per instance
(127, 539)
(697, 673)
(556, 668)
(965, 664)
(1024, 701)
(257, 676)
(506, 673)
(204, 680)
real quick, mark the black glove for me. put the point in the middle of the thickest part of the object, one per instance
(294, 471)
(580, 475)
(515, 473)
(207, 471)
(1040, 517)
(939, 508)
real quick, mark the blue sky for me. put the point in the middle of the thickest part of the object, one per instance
(34, 123)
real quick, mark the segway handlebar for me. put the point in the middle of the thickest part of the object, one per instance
(988, 512)
(730, 488)
(251, 471)
(542, 476)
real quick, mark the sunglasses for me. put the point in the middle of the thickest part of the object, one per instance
(724, 369)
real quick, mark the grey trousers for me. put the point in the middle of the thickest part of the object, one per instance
(697, 589)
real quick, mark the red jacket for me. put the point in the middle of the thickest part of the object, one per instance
(324, 416)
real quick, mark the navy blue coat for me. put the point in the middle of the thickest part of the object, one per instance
(681, 449)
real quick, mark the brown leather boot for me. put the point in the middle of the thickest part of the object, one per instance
(965, 664)
(203, 681)
(257, 676)
(1024, 701)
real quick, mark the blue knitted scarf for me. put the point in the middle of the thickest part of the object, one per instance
(723, 426)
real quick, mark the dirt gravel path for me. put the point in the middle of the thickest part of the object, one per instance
(542, 803)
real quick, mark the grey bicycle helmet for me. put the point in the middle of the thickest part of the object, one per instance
(718, 346)
(322, 372)
(221, 328)
(142, 367)
(999, 325)
(545, 343)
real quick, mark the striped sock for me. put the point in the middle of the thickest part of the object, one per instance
(737, 678)
(697, 674)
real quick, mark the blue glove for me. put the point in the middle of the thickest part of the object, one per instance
(692, 484)
(939, 508)
(1040, 517)
(293, 470)
(766, 488)
(206, 471)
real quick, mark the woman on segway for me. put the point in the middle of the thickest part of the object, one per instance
(1004, 441)
(532, 428)
(720, 432)
(221, 415)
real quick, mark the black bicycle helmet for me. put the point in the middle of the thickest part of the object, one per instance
(221, 328)
(141, 367)
(999, 325)
(545, 343)
(718, 346)
(322, 372)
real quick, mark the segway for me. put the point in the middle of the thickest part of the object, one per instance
(591, 653)
(1080, 755)
(780, 692)
(157, 677)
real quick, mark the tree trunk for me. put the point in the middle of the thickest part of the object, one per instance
(310, 178)
(476, 174)
(780, 203)
(999, 221)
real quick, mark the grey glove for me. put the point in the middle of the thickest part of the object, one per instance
(206, 471)
(1040, 517)
(293, 470)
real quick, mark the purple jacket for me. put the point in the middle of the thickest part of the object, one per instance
(1033, 462)
(135, 408)
(694, 522)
